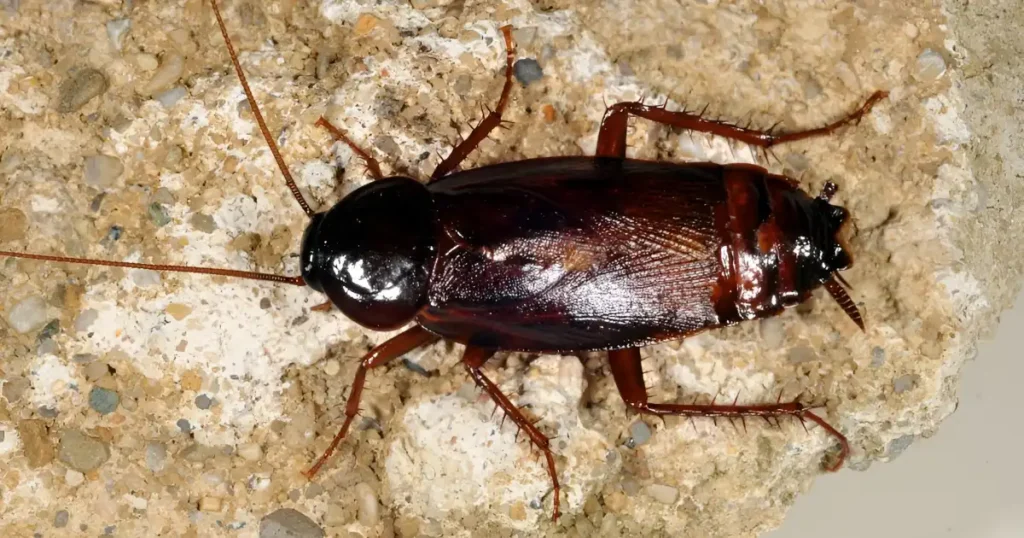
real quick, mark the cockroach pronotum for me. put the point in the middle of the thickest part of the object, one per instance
(566, 254)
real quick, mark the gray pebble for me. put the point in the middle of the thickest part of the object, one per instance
(197, 453)
(630, 487)
(415, 367)
(184, 425)
(145, 278)
(203, 223)
(80, 88)
(904, 383)
(156, 456)
(314, 490)
(61, 519)
(203, 401)
(877, 356)
(49, 331)
(14, 388)
(527, 70)
(163, 196)
(28, 315)
(898, 445)
(386, 145)
(113, 235)
(95, 370)
(289, 523)
(85, 320)
(116, 30)
(84, 358)
(81, 452)
(3, 435)
(102, 170)
(47, 347)
(103, 401)
(97, 202)
(158, 214)
(264, 303)
(639, 433)
(169, 98)
(463, 84)
(47, 412)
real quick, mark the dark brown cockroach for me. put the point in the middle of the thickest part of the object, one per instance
(567, 254)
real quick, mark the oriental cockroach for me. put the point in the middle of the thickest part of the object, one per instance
(566, 254)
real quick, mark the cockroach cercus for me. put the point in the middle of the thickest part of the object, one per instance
(566, 254)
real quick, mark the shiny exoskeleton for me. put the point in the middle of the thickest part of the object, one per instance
(573, 253)
(566, 254)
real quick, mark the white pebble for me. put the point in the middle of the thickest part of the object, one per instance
(73, 478)
(662, 493)
(368, 510)
(170, 97)
(170, 70)
(156, 456)
(331, 367)
(250, 452)
(930, 65)
(28, 315)
(102, 170)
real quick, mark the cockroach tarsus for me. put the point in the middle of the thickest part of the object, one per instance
(566, 254)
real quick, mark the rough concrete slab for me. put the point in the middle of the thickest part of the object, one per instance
(932, 178)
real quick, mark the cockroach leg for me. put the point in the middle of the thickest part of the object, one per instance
(473, 359)
(397, 346)
(490, 121)
(322, 307)
(611, 140)
(625, 367)
(371, 164)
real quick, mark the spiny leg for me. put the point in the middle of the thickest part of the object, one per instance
(322, 307)
(611, 141)
(473, 359)
(489, 123)
(397, 346)
(371, 164)
(629, 378)
(259, 116)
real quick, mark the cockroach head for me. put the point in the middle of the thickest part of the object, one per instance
(371, 252)
(835, 256)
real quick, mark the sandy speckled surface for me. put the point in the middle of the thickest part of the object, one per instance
(218, 393)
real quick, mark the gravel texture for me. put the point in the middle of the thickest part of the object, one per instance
(127, 116)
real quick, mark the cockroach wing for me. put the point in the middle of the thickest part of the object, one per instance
(569, 254)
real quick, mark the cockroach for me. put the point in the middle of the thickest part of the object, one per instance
(563, 255)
